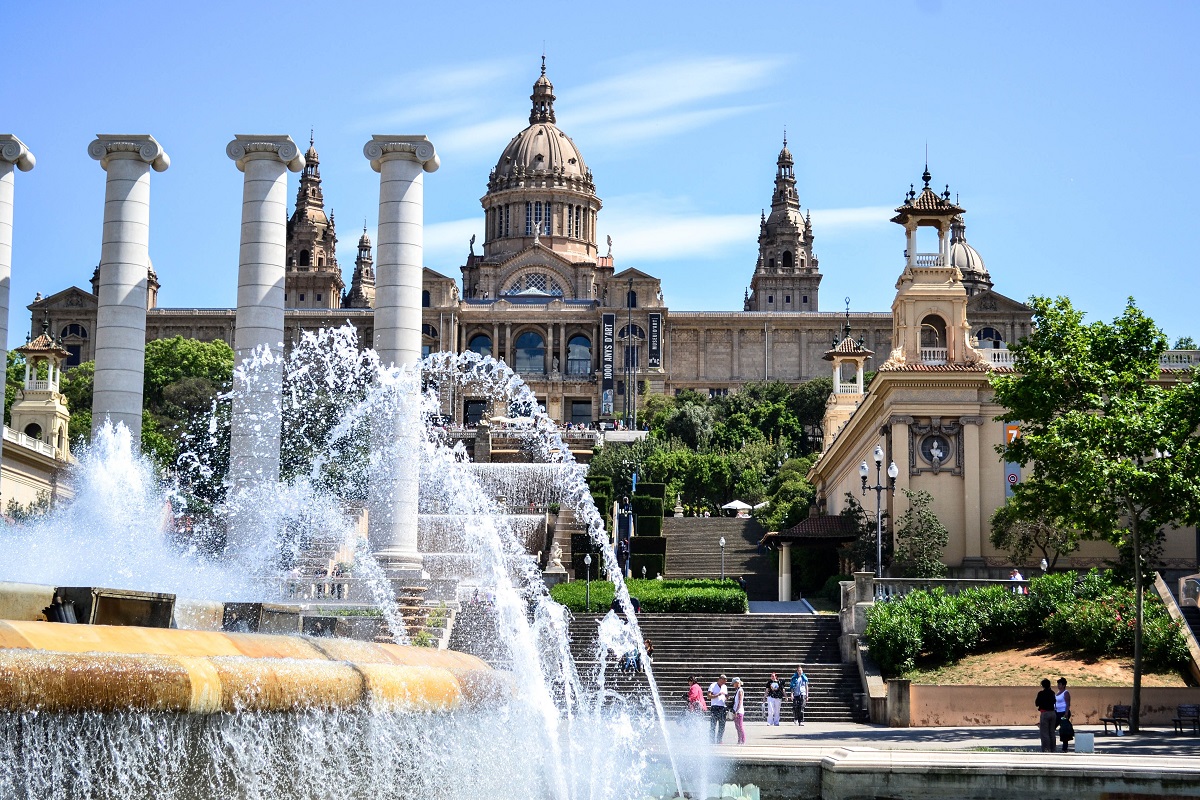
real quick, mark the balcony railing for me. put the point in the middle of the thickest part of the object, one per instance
(933, 355)
(1000, 357)
(28, 442)
(847, 388)
(42, 386)
(1179, 359)
(928, 260)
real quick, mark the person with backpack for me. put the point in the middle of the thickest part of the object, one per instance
(799, 687)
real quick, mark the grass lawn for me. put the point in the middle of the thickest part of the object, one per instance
(822, 605)
(1026, 666)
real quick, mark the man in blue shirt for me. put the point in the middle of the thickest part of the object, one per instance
(799, 687)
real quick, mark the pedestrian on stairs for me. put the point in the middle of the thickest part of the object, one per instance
(739, 710)
(774, 699)
(799, 687)
(718, 694)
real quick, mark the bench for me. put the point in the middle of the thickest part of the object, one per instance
(1187, 715)
(1120, 716)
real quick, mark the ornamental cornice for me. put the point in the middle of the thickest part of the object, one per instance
(108, 146)
(411, 148)
(245, 148)
(14, 151)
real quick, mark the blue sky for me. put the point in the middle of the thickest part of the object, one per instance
(1068, 131)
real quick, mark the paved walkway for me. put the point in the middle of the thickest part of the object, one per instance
(830, 735)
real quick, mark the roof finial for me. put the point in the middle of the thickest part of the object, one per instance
(543, 57)
(310, 136)
(785, 135)
(847, 326)
(364, 225)
(46, 321)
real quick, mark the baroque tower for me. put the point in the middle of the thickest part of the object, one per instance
(313, 278)
(786, 277)
(362, 284)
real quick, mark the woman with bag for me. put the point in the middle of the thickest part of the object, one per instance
(1062, 713)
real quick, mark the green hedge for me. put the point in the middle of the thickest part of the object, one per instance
(650, 527)
(647, 506)
(655, 564)
(674, 596)
(658, 490)
(648, 544)
(581, 545)
(604, 506)
(600, 484)
(1093, 615)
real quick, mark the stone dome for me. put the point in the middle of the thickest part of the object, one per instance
(962, 255)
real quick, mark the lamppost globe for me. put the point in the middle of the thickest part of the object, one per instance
(879, 488)
(722, 543)
(862, 470)
(587, 563)
(893, 470)
(878, 455)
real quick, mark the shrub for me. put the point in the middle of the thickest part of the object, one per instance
(894, 637)
(649, 527)
(646, 506)
(832, 590)
(658, 490)
(655, 564)
(648, 544)
(676, 596)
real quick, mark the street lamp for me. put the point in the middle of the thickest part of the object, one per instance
(587, 563)
(722, 558)
(879, 488)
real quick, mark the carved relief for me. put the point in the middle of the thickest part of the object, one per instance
(935, 446)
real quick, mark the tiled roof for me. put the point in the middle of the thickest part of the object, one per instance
(942, 368)
(848, 345)
(929, 200)
(825, 527)
(44, 344)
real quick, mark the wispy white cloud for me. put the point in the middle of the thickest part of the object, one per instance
(833, 221)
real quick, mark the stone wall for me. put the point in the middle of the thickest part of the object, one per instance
(938, 706)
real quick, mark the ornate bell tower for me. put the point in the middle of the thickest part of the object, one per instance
(40, 411)
(362, 284)
(312, 278)
(786, 277)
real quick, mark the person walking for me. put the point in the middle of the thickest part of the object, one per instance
(774, 698)
(1062, 713)
(1046, 719)
(695, 697)
(718, 694)
(799, 687)
(739, 710)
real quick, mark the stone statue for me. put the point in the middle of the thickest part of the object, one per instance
(936, 453)
(556, 557)
(472, 245)
(554, 364)
(610, 246)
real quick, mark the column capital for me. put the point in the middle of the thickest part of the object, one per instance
(108, 146)
(411, 148)
(14, 151)
(246, 147)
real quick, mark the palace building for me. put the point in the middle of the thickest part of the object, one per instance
(543, 297)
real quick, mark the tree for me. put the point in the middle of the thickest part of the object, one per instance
(862, 552)
(1021, 529)
(14, 382)
(920, 538)
(691, 424)
(1185, 343)
(1108, 448)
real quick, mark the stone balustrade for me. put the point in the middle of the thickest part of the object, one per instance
(933, 355)
(28, 442)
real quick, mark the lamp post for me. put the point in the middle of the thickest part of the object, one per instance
(587, 563)
(722, 558)
(879, 488)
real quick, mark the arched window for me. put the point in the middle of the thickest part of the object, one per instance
(480, 343)
(787, 260)
(429, 330)
(771, 262)
(579, 355)
(990, 338)
(425, 302)
(34, 431)
(631, 299)
(59, 445)
(74, 329)
(933, 331)
(530, 353)
(633, 336)
(304, 258)
(320, 261)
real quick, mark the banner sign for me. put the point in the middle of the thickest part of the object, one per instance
(608, 325)
(655, 360)
(1012, 470)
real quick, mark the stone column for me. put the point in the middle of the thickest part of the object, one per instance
(785, 572)
(254, 437)
(548, 356)
(972, 501)
(401, 162)
(124, 265)
(13, 153)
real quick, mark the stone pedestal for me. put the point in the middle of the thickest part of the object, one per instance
(124, 267)
(785, 572)
(254, 437)
(13, 153)
(401, 162)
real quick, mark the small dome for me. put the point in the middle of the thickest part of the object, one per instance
(364, 240)
(962, 255)
(541, 147)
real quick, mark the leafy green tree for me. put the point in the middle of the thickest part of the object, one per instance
(1185, 343)
(76, 386)
(862, 552)
(14, 382)
(691, 424)
(920, 538)
(1108, 447)
(1020, 529)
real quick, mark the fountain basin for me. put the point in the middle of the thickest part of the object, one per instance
(56, 667)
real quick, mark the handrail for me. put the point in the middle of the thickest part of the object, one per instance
(1189, 636)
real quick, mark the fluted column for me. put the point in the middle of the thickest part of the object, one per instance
(13, 153)
(124, 264)
(401, 162)
(255, 425)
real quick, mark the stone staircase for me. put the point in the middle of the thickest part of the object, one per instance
(1191, 615)
(749, 646)
(694, 551)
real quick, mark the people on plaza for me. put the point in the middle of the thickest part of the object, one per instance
(799, 689)
(1047, 718)
(1062, 714)
(649, 650)
(774, 698)
(718, 696)
(739, 710)
(1016, 575)
(695, 697)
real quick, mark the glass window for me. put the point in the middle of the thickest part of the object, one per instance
(530, 353)
(579, 358)
(581, 412)
(429, 330)
(528, 218)
(425, 300)
(480, 343)
(74, 329)
(787, 260)
(990, 338)
(304, 258)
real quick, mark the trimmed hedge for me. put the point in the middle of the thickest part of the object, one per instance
(649, 527)
(674, 596)
(648, 544)
(581, 545)
(600, 483)
(1093, 615)
(655, 564)
(658, 490)
(647, 506)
